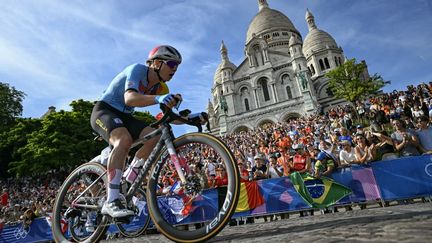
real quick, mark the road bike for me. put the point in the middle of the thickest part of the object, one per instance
(85, 188)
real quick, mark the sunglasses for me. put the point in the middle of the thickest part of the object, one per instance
(170, 63)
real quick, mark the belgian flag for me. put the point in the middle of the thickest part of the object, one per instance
(318, 193)
(250, 196)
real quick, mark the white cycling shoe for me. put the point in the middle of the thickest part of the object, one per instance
(116, 209)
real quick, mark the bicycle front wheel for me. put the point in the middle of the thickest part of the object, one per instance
(198, 210)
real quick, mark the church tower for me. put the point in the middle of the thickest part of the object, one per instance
(322, 55)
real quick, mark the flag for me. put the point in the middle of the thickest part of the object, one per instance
(250, 196)
(63, 223)
(318, 193)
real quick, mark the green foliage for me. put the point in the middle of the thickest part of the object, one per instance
(13, 139)
(10, 104)
(351, 82)
(64, 140)
(145, 116)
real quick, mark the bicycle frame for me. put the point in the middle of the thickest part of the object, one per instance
(166, 139)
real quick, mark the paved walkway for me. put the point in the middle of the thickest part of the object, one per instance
(402, 223)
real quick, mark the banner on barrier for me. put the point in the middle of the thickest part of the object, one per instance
(389, 180)
(407, 177)
(361, 181)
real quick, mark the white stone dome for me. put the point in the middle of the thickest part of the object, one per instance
(217, 79)
(266, 20)
(317, 40)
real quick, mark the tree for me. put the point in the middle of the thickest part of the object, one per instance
(64, 140)
(10, 104)
(145, 117)
(14, 138)
(351, 82)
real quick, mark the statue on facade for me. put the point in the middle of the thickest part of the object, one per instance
(223, 104)
(303, 81)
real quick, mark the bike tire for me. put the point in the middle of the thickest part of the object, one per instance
(226, 210)
(89, 170)
(137, 228)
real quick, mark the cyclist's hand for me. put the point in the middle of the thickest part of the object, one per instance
(202, 117)
(170, 100)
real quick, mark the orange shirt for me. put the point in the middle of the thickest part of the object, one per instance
(299, 162)
(284, 162)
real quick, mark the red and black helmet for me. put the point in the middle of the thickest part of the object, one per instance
(164, 52)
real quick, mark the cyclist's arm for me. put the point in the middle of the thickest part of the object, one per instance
(135, 99)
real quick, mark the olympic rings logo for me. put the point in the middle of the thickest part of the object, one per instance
(21, 232)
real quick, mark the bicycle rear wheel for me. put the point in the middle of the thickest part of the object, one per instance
(70, 207)
(191, 213)
(140, 222)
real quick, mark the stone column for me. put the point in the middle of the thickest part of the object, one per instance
(257, 105)
(275, 98)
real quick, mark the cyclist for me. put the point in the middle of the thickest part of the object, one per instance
(137, 85)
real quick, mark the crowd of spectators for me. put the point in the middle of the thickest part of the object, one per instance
(386, 126)
(383, 127)
(27, 198)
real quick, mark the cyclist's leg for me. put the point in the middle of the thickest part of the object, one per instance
(109, 123)
(121, 141)
(139, 129)
(146, 149)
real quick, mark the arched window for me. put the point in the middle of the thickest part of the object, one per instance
(244, 91)
(327, 64)
(336, 61)
(321, 64)
(265, 90)
(313, 69)
(289, 94)
(340, 61)
(246, 102)
(285, 79)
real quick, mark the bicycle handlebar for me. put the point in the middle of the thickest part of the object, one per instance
(170, 116)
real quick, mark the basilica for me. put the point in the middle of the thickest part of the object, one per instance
(281, 77)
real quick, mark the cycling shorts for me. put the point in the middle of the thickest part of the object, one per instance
(105, 118)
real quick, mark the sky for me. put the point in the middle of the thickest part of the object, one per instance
(60, 51)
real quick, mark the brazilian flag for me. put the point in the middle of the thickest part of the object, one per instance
(318, 193)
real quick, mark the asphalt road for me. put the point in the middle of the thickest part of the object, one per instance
(399, 223)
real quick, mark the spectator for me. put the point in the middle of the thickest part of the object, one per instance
(363, 151)
(274, 170)
(329, 149)
(4, 198)
(405, 142)
(324, 165)
(244, 173)
(284, 161)
(259, 170)
(347, 155)
(345, 136)
(301, 161)
(221, 177)
(384, 147)
(210, 168)
(28, 218)
(424, 134)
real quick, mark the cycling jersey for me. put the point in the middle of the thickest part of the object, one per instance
(133, 77)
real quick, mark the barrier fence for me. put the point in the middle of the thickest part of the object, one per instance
(402, 178)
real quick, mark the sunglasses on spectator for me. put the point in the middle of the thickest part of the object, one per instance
(170, 63)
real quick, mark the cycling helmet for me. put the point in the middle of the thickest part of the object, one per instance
(165, 52)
